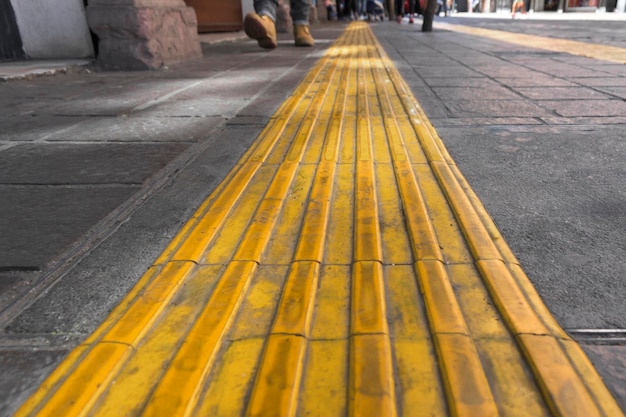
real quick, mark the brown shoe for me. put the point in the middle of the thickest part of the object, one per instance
(261, 28)
(302, 35)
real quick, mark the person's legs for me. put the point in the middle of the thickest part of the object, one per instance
(399, 12)
(299, 10)
(260, 25)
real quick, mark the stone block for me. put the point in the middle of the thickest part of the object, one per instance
(142, 38)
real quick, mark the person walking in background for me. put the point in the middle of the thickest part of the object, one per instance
(518, 5)
(260, 25)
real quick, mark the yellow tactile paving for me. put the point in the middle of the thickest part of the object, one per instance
(590, 50)
(344, 267)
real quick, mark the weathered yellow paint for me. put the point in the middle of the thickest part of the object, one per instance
(314, 229)
(481, 316)
(278, 379)
(344, 267)
(418, 379)
(603, 398)
(368, 299)
(296, 305)
(474, 230)
(258, 308)
(509, 298)
(228, 238)
(405, 305)
(494, 233)
(341, 227)
(145, 366)
(77, 395)
(228, 391)
(565, 393)
(49, 388)
(178, 389)
(372, 390)
(444, 313)
(324, 384)
(513, 387)
(423, 239)
(396, 244)
(466, 384)
(449, 235)
(331, 318)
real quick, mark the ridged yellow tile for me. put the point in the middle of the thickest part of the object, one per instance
(480, 313)
(512, 382)
(295, 308)
(286, 234)
(591, 379)
(339, 248)
(510, 299)
(421, 391)
(564, 391)
(278, 379)
(405, 308)
(372, 388)
(444, 313)
(331, 318)
(227, 240)
(313, 234)
(466, 384)
(146, 364)
(325, 380)
(395, 241)
(449, 236)
(259, 306)
(179, 388)
(368, 308)
(230, 383)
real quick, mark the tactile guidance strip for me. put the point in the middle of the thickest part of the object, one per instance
(344, 267)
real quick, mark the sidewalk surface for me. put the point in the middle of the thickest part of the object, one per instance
(99, 171)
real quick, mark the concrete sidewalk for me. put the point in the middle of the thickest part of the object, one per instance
(98, 171)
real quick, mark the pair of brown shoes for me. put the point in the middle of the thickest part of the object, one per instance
(263, 29)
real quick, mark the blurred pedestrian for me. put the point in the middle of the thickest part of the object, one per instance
(518, 5)
(260, 25)
(331, 12)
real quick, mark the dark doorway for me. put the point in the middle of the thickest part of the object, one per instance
(10, 40)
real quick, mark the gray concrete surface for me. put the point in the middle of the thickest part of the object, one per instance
(98, 171)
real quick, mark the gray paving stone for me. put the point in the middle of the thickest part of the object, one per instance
(534, 79)
(615, 91)
(560, 93)
(39, 223)
(495, 108)
(137, 127)
(32, 127)
(467, 82)
(21, 372)
(69, 163)
(601, 81)
(586, 108)
(482, 93)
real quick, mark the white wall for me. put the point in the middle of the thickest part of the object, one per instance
(53, 29)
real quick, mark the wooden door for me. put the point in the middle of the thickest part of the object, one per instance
(217, 15)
